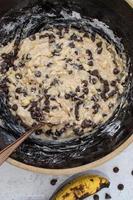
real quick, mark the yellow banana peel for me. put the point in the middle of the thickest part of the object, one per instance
(81, 187)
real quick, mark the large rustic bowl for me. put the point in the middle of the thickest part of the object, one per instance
(76, 155)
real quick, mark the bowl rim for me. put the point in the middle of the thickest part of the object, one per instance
(78, 169)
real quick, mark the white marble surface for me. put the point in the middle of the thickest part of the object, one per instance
(18, 184)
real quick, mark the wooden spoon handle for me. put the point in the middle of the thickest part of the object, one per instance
(6, 152)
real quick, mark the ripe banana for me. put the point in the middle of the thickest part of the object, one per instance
(81, 187)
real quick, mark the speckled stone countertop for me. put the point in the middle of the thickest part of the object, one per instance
(18, 184)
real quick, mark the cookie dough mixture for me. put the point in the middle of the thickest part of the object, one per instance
(63, 76)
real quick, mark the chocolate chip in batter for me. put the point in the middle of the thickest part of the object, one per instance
(78, 132)
(95, 107)
(99, 44)
(37, 74)
(51, 38)
(14, 107)
(72, 45)
(86, 123)
(94, 81)
(32, 37)
(95, 98)
(54, 82)
(47, 76)
(77, 89)
(99, 51)
(4, 67)
(18, 76)
(112, 93)
(113, 83)
(19, 90)
(73, 37)
(90, 63)
(85, 90)
(49, 64)
(76, 52)
(76, 111)
(93, 37)
(111, 105)
(85, 83)
(116, 70)
(89, 53)
(94, 73)
(70, 72)
(105, 86)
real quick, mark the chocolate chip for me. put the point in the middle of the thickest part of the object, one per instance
(113, 83)
(95, 73)
(67, 96)
(76, 111)
(96, 197)
(14, 107)
(107, 196)
(32, 37)
(112, 93)
(76, 52)
(54, 107)
(85, 90)
(49, 64)
(103, 96)
(53, 181)
(115, 169)
(72, 45)
(104, 115)
(78, 66)
(78, 132)
(116, 70)
(14, 67)
(77, 89)
(51, 38)
(85, 83)
(95, 107)
(111, 105)
(18, 76)
(120, 186)
(99, 44)
(99, 51)
(18, 90)
(54, 82)
(105, 86)
(89, 53)
(70, 72)
(4, 67)
(86, 123)
(93, 37)
(73, 37)
(95, 98)
(37, 74)
(48, 132)
(47, 76)
(90, 63)
(94, 81)
(39, 132)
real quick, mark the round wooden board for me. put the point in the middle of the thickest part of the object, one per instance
(75, 169)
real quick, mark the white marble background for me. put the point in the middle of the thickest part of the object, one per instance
(18, 184)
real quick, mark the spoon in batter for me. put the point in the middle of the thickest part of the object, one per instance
(8, 150)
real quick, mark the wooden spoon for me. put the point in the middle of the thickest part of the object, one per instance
(8, 150)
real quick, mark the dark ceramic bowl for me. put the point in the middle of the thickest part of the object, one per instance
(73, 155)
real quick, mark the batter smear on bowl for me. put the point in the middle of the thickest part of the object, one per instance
(64, 76)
